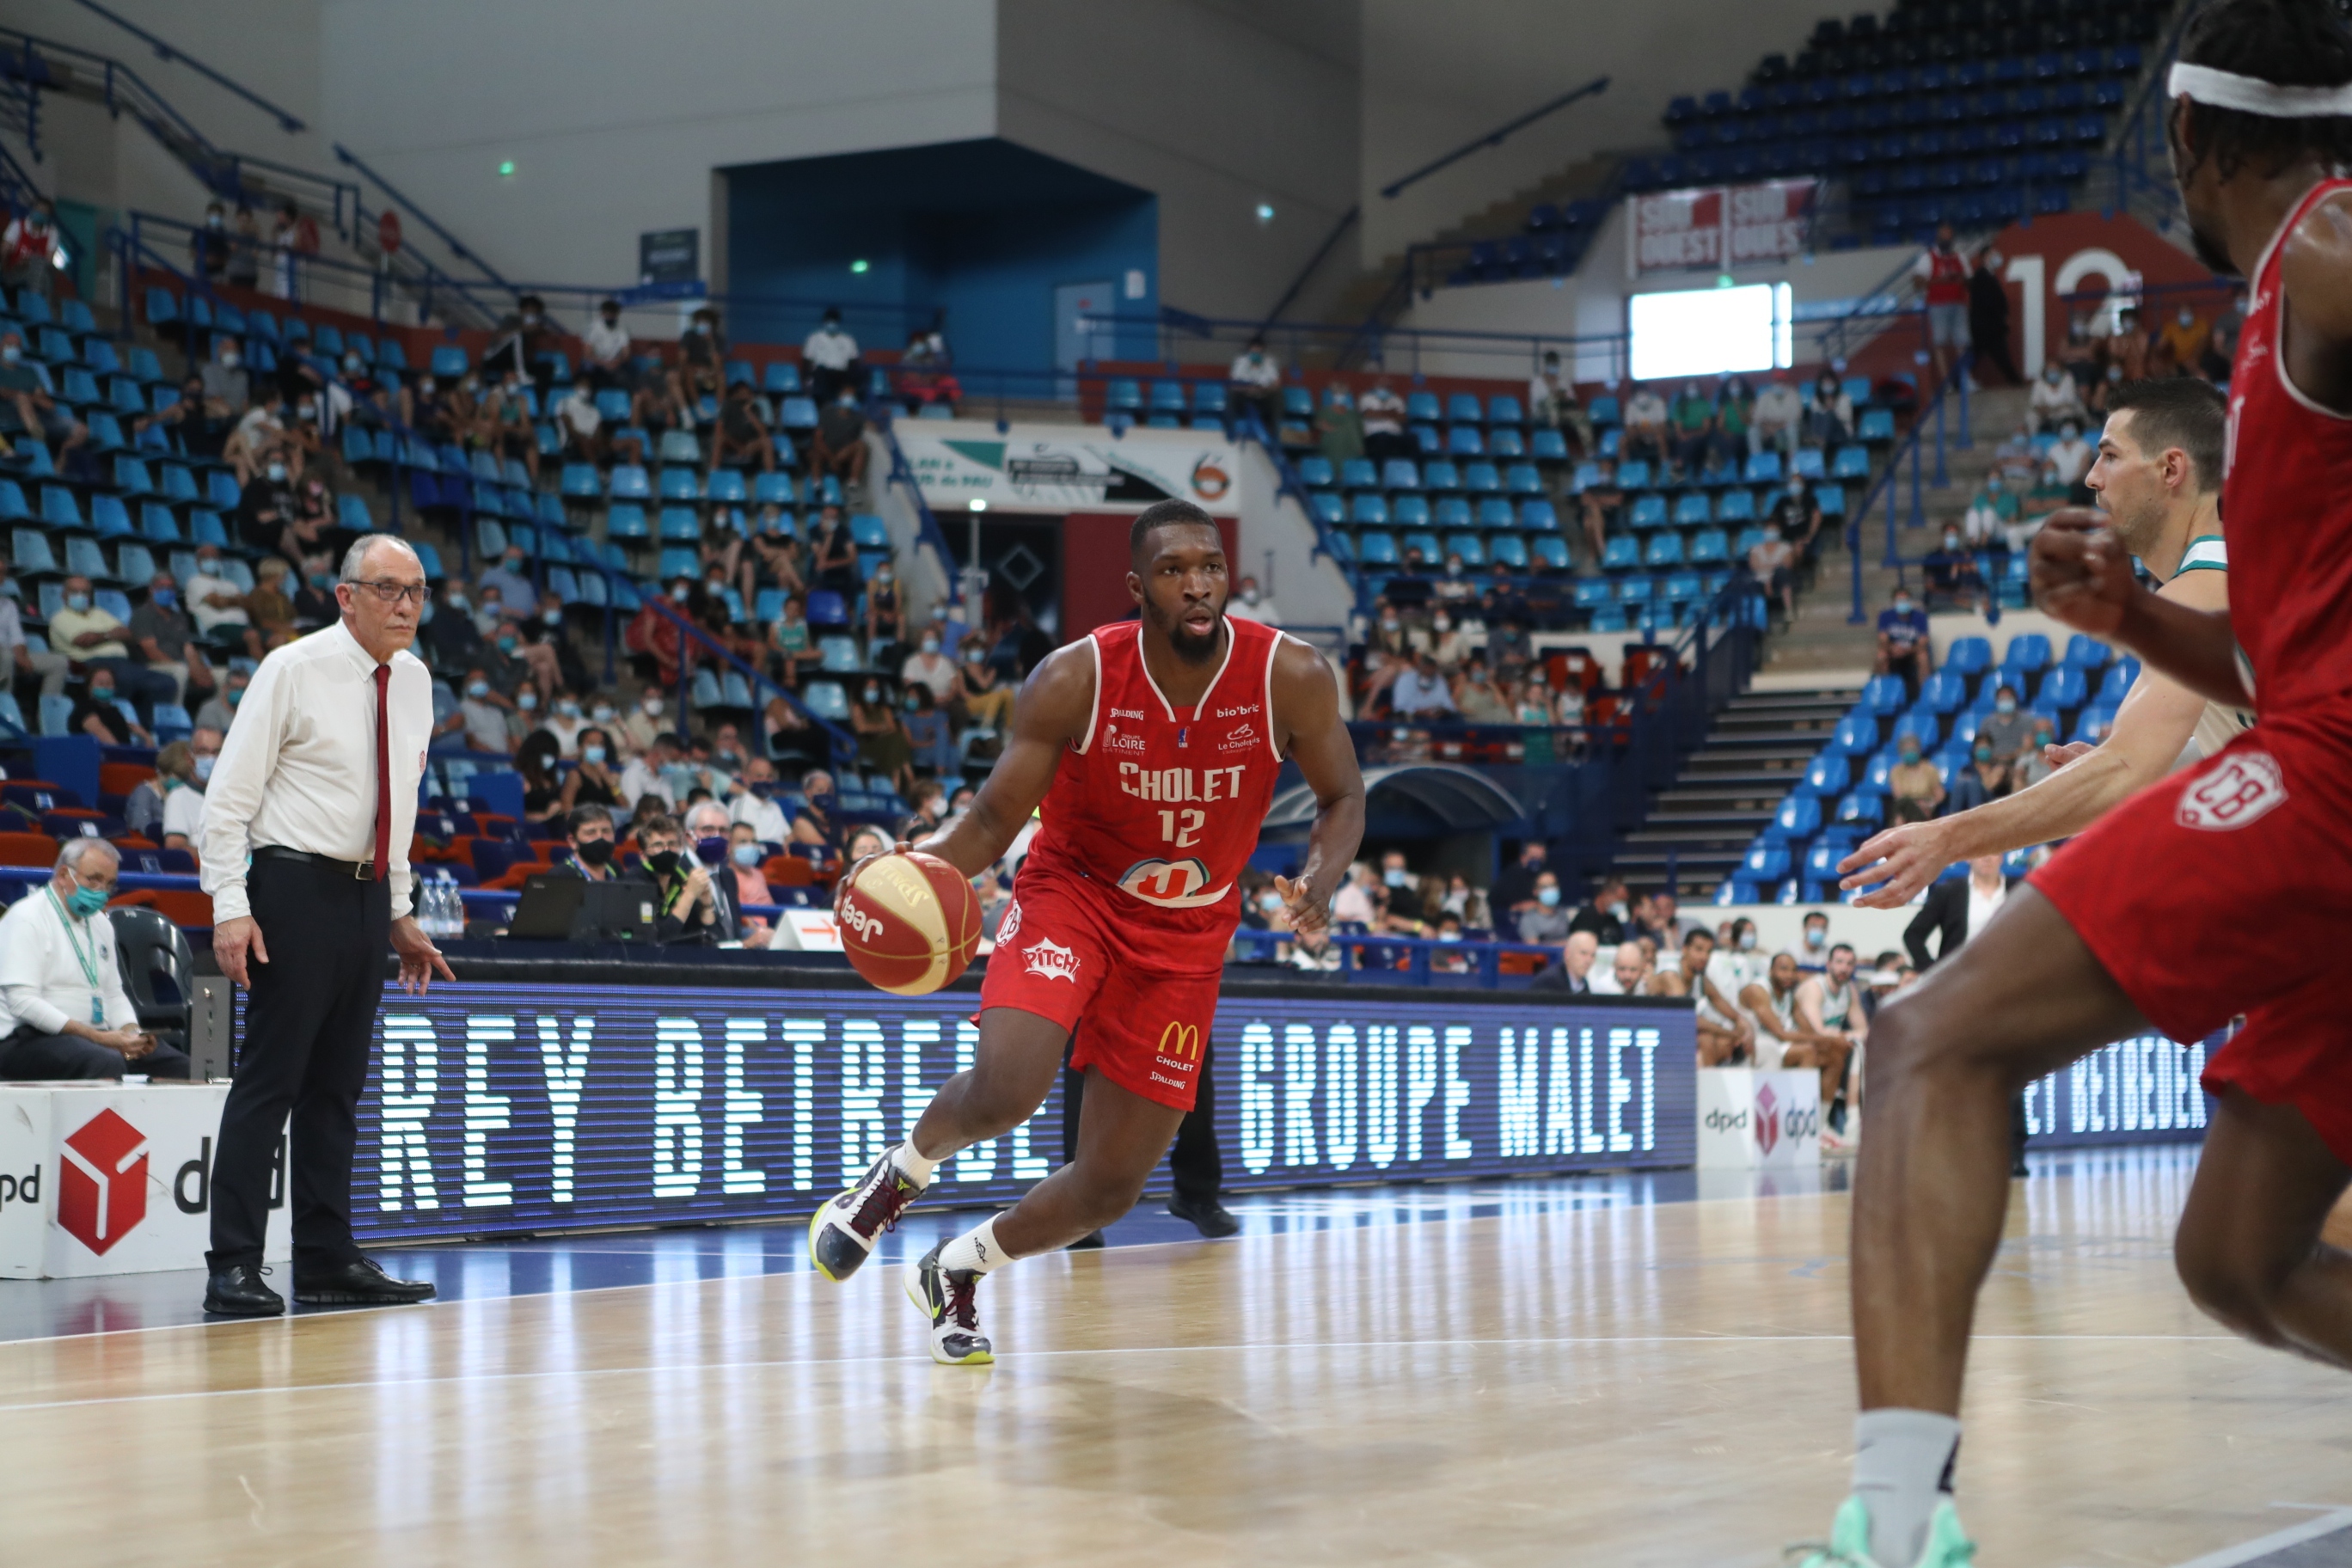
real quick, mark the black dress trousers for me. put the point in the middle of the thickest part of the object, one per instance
(309, 1021)
(1194, 1160)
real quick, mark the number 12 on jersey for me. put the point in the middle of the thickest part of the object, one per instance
(1184, 837)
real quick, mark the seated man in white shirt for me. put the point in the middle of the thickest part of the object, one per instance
(183, 806)
(1256, 385)
(754, 805)
(644, 775)
(214, 598)
(1629, 968)
(65, 1011)
(1725, 1032)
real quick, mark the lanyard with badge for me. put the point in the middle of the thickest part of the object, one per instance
(88, 960)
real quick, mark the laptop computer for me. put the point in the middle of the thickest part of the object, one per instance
(571, 908)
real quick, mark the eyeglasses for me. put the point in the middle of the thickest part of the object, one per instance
(389, 592)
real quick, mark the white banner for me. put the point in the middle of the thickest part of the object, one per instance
(1753, 1120)
(1069, 468)
(112, 1178)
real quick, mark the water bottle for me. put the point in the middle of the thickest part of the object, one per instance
(453, 906)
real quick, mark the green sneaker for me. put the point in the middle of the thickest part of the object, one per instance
(1849, 1545)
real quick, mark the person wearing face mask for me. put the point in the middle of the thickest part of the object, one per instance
(61, 998)
(1903, 648)
(2008, 730)
(29, 249)
(2053, 400)
(1952, 579)
(510, 576)
(817, 824)
(883, 744)
(1914, 785)
(563, 723)
(596, 780)
(1828, 418)
(1771, 562)
(1989, 329)
(142, 809)
(745, 857)
(589, 832)
(928, 735)
(754, 804)
(1992, 512)
(487, 711)
(2069, 461)
(1812, 950)
(165, 638)
(642, 722)
(261, 436)
(838, 444)
(1253, 386)
(886, 615)
(89, 634)
(1546, 924)
(928, 666)
(981, 694)
(708, 906)
(742, 436)
(1983, 779)
(605, 362)
(653, 772)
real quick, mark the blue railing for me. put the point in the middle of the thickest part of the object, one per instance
(1404, 960)
(456, 247)
(842, 741)
(1494, 137)
(172, 55)
(1287, 482)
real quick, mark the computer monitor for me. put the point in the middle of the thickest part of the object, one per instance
(572, 908)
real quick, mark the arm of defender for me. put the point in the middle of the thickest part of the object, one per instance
(2151, 729)
(1054, 707)
(1307, 714)
(2083, 576)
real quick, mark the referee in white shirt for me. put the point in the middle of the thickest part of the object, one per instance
(317, 784)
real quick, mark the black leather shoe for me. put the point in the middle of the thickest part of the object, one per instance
(359, 1283)
(237, 1291)
(1087, 1243)
(1208, 1216)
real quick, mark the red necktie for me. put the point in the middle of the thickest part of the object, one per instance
(383, 770)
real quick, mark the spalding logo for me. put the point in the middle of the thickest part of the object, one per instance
(1171, 884)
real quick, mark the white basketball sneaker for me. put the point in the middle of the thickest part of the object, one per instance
(1947, 1546)
(842, 1233)
(945, 1296)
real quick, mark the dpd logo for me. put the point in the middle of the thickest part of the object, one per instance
(103, 1184)
(1768, 1118)
(1726, 1120)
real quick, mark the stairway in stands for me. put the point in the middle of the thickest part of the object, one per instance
(1702, 824)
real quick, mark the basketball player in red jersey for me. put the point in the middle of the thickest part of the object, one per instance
(2164, 914)
(1153, 745)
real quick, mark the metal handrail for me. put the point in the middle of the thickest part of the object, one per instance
(929, 533)
(1287, 482)
(134, 93)
(171, 54)
(456, 247)
(1347, 220)
(1494, 137)
(842, 741)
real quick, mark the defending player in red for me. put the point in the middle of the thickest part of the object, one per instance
(1153, 746)
(2166, 913)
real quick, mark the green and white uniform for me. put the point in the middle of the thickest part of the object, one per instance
(2220, 724)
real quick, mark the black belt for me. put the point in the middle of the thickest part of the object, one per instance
(359, 870)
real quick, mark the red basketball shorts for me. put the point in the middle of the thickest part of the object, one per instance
(2227, 889)
(1140, 1000)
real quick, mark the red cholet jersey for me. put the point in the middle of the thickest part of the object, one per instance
(2286, 509)
(1161, 803)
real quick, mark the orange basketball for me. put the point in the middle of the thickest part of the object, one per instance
(909, 923)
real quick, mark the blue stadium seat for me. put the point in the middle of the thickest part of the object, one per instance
(1376, 550)
(1708, 547)
(2087, 653)
(1494, 511)
(1368, 511)
(1548, 446)
(1315, 473)
(1463, 441)
(1856, 735)
(1409, 512)
(1451, 512)
(1551, 552)
(1830, 773)
(1664, 550)
(1359, 474)
(1693, 510)
(1633, 474)
(1648, 511)
(1876, 424)
(1621, 553)
(1508, 550)
(1539, 515)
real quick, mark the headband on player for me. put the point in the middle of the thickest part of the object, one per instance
(2252, 95)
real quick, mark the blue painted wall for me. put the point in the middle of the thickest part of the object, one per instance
(984, 230)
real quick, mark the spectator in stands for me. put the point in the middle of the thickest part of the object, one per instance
(595, 780)
(1942, 279)
(1255, 385)
(258, 447)
(1694, 421)
(142, 809)
(1628, 972)
(1552, 402)
(2033, 764)
(210, 245)
(833, 554)
(2070, 460)
(1573, 973)
(38, 413)
(451, 638)
(588, 829)
(29, 249)
(1951, 574)
(165, 640)
(269, 605)
(705, 852)
(742, 436)
(1771, 562)
(830, 358)
(1658, 916)
(883, 745)
(2128, 344)
(1903, 648)
(1609, 917)
(1735, 396)
(1447, 643)
(504, 427)
(1422, 692)
(2185, 337)
(89, 634)
(814, 824)
(1339, 428)
(838, 447)
(486, 711)
(928, 735)
(201, 421)
(17, 659)
(1828, 418)
(1548, 922)
(1477, 698)
(1989, 320)
(886, 615)
(1646, 418)
(1514, 885)
(1773, 419)
(1250, 604)
(61, 990)
(100, 715)
(1914, 779)
(509, 573)
(1983, 779)
(2055, 399)
(1991, 514)
(580, 425)
(753, 804)
(218, 712)
(2006, 729)
(182, 817)
(792, 646)
(1601, 503)
(927, 666)
(983, 695)
(701, 357)
(650, 772)
(1384, 432)
(605, 357)
(746, 855)
(2221, 350)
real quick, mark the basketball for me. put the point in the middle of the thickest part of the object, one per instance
(910, 923)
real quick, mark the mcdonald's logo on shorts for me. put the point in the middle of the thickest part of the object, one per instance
(1181, 1040)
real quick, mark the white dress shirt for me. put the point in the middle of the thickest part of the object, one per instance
(830, 347)
(766, 818)
(42, 983)
(184, 814)
(640, 778)
(1983, 906)
(298, 769)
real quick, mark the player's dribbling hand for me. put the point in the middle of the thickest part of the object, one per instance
(841, 889)
(2080, 571)
(1895, 864)
(1309, 916)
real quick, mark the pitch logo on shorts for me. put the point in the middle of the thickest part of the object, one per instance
(1050, 959)
(102, 1186)
(2246, 787)
(1182, 1041)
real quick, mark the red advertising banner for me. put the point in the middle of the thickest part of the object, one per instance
(1720, 227)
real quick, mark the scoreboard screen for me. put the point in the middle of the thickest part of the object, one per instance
(515, 1106)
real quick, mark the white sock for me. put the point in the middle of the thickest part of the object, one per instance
(913, 1166)
(975, 1250)
(1902, 1465)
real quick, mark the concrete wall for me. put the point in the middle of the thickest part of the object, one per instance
(1216, 107)
(1434, 77)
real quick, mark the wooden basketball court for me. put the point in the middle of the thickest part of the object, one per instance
(1539, 1372)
